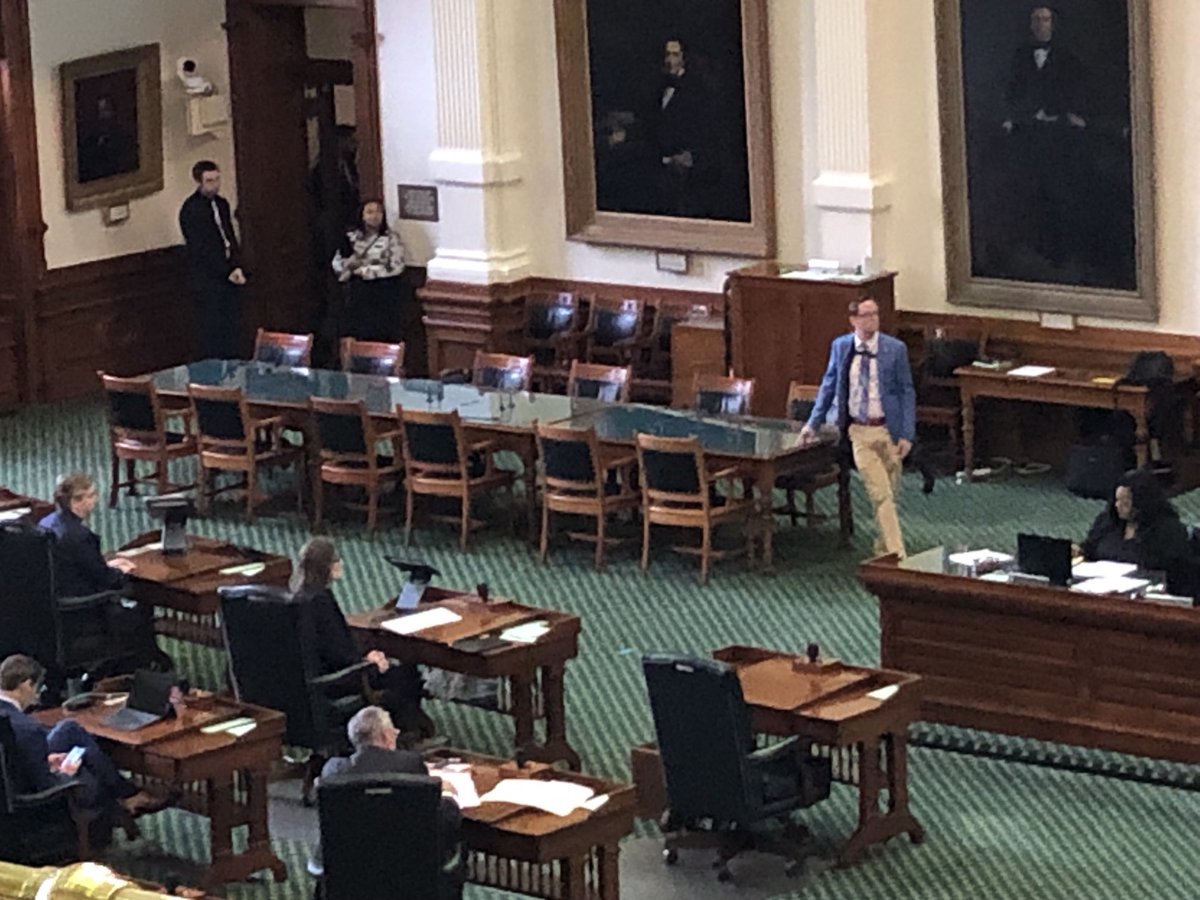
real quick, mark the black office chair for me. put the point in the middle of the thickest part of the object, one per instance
(271, 643)
(42, 828)
(714, 774)
(93, 636)
(383, 838)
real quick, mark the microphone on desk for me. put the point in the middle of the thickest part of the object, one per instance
(813, 652)
(482, 590)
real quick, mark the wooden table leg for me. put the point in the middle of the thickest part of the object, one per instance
(608, 877)
(764, 482)
(845, 507)
(875, 826)
(223, 818)
(1141, 437)
(896, 747)
(574, 878)
(554, 704)
(221, 823)
(529, 464)
(258, 839)
(521, 688)
(968, 433)
(869, 779)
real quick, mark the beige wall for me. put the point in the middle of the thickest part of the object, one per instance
(62, 30)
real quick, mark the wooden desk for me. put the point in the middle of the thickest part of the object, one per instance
(531, 669)
(1063, 387)
(527, 851)
(831, 707)
(697, 348)
(220, 776)
(183, 589)
(1042, 661)
(38, 509)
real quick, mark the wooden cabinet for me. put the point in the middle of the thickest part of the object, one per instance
(781, 327)
(697, 348)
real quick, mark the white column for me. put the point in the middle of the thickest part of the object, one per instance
(477, 165)
(848, 197)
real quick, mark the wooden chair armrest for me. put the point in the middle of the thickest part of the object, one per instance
(617, 462)
(267, 422)
(481, 446)
(734, 471)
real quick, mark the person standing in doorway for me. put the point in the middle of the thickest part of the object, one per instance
(371, 262)
(869, 378)
(214, 262)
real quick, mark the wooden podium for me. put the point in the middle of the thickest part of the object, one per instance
(781, 327)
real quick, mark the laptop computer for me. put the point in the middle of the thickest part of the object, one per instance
(149, 701)
(1045, 556)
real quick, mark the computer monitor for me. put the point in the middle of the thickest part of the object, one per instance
(1045, 556)
(419, 576)
(174, 510)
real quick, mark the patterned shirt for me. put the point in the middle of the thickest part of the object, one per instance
(372, 256)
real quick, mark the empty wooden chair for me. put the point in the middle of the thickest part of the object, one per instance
(347, 444)
(502, 372)
(721, 395)
(614, 331)
(283, 349)
(372, 357)
(137, 432)
(439, 461)
(679, 489)
(231, 439)
(577, 481)
(666, 315)
(939, 403)
(801, 398)
(551, 335)
(599, 382)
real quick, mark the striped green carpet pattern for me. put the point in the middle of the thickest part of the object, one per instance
(997, 825)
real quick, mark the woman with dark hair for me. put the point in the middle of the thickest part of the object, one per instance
(315, 570)
(1140, 526)
(370, 263)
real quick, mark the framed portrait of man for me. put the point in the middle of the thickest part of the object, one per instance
(1047, 155)
(666, 134)
(112, 127)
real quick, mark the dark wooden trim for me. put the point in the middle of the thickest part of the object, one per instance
(654, 296)
(368, 124)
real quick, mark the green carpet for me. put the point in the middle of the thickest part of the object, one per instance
(996, 827)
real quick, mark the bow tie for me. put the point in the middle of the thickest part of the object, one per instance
(864, 350)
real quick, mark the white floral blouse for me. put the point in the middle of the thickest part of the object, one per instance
(372, 257)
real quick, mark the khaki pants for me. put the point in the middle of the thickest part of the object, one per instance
(879, 464)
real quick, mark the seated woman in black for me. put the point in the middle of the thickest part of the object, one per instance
(1139, 526)
(312, 577)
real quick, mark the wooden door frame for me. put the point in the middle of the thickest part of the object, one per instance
(365, 60)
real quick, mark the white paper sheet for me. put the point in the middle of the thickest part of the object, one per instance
(244, 569)
(1102, 568)
(136, 551)
(974, 557)
(429, 618)
(465, 794)
(11, 515)
(559, 798)
(527, 633)
(887, 692)
(1031, 371)
(1117, 585)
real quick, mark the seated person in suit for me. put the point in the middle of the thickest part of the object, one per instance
(373, 737)
(79, 567)
(317, 567)
(1139, 526)
(41, 752)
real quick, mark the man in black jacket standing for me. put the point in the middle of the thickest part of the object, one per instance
(213, 262)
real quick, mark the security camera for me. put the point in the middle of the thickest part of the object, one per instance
(193, 82)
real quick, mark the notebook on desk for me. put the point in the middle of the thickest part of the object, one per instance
(1045, 556)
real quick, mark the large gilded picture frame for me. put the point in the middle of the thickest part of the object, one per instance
(1047, 155)
(666, 132)
(112, 127)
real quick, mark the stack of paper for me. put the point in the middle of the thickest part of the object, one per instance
(1031, 371)
(1102, 568)
(1117, 584)
(559, 798)
(526, 633)
(419, 621)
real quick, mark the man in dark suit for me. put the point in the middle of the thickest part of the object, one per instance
(41, 752)
(869, 379)
(681, 119)
(373, 737)
(79, 567)
(214, 262)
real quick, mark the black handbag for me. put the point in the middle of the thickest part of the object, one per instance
(944, 355)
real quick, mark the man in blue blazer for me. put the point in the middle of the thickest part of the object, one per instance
(869, 378)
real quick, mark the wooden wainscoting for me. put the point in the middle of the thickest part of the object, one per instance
(10, 388)
(126, 315)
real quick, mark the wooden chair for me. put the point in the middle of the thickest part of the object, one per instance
(614, 331)
(939, 403)
(799, 406)
(721, 395)
(283, 349)
(440, 462)
(598, 382)
(347, 452)
(551, 335)
(666, 316)
(372, 357)
(231, 439)
(502, 372)
(679, 489)
(577, 482)
(137, 431)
